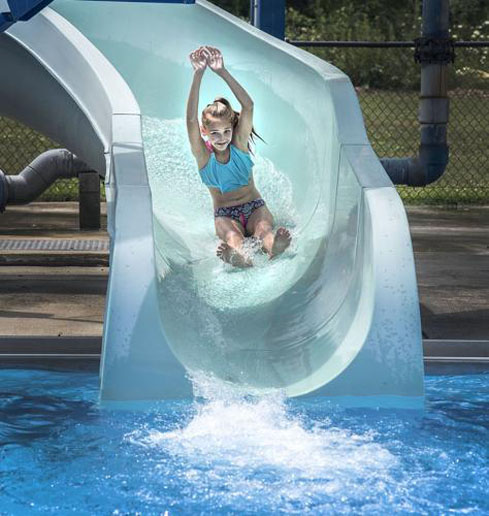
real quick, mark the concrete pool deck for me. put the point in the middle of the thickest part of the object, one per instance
(60, 293)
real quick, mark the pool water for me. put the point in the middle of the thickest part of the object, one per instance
(220, 453)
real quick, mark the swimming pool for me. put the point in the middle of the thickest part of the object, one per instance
(61, 452)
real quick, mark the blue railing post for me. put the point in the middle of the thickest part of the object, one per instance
(269, 16)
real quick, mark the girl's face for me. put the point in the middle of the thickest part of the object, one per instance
(220, 134)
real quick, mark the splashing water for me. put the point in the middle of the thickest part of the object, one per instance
(258, 449)
(180, 199)
(182, 205)
(197, 291)
(229, 454)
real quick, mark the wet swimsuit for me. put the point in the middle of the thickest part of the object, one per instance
(227, 176)
(240, 212)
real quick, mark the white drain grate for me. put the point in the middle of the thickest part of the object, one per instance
(54, 244)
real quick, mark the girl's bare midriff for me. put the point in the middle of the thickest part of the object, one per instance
(239, 196)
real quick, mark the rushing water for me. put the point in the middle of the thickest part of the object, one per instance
(182, 203)
(272, 325)
(217, 454)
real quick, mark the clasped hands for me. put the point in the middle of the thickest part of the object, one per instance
(207, 56)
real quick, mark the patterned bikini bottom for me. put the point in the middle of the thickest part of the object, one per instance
(240, 212)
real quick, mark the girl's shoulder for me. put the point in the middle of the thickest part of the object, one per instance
(205, 158)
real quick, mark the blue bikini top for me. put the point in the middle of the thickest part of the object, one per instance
(228, 176)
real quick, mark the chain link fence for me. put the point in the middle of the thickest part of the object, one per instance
(391, 121)
(391, 115)
(390, 118)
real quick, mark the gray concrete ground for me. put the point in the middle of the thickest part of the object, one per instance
(53, 293)
(56, 301)
(451, 249)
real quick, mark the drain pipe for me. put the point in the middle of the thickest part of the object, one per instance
(41, 174)
(434, 50)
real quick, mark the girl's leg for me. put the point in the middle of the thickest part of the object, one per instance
(260, 225)
(231, 233)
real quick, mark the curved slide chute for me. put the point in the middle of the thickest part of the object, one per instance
(336, 315)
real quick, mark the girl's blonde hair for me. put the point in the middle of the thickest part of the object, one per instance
(221, 108)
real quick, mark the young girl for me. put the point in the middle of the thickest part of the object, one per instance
(225, 165)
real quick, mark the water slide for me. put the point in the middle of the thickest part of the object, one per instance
(337, 315)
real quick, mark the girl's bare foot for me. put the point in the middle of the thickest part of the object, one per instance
(281, 242)
(230, 255)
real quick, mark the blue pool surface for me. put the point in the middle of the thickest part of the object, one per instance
(221, 454)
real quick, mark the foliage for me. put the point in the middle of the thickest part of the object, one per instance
(372, 67)
(383, 20)
(384, 75)
(239, 8)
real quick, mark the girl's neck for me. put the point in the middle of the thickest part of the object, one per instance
(223, 154)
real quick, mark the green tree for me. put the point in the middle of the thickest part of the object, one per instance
(382, 20)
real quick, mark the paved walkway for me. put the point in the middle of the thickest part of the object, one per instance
(50, 293)
(451, 249)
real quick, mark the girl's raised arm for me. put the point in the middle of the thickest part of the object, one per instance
(197, 143)
(245, 124)
(216, 63)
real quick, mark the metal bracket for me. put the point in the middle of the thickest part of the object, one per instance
(434, 50)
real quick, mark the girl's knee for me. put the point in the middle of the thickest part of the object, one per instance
(262, 228)
(232, 236)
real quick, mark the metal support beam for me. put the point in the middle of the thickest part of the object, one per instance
(89, 200)
(269, 16)
(25, 9)
(19, 10)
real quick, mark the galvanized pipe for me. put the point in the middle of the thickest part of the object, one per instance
(38, 176)
(432, 158)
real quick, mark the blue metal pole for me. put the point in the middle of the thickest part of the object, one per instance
(252, 11)
(269, 16)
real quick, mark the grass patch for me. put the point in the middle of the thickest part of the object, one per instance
(392, 127)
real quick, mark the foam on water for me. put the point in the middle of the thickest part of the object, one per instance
(257, 447)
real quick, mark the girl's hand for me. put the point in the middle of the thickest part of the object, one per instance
(198, 60)
(214, 58)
